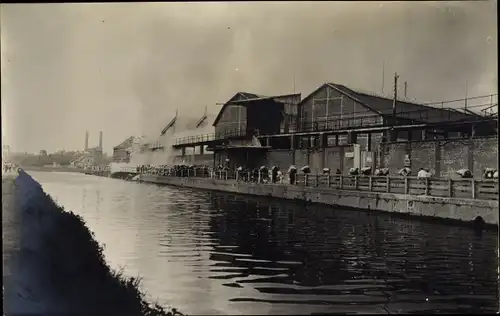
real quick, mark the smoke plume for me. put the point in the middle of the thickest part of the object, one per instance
(145, 60)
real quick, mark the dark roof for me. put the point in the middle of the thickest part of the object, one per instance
(384, 106)
(276, 98)
(250, 97)
(238, 96)
(126, 143)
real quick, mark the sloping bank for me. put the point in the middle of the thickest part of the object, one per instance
(53, 264)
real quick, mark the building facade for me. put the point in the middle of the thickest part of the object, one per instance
(334, 127)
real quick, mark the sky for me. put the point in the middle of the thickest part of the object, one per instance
(124, 68)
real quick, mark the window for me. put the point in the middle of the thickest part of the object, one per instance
(334, 106)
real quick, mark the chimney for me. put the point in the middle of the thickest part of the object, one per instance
(86, 141)
(100, 140)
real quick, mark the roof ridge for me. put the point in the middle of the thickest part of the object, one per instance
(370, 93)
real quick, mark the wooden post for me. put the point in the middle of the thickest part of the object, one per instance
(388, 184)
(328, 180)
(341, 180)
(237, 175)
(356, 184)
(473, 188)
(258, 177)
(305, 179)
(406, 185)
(370, 184)
(450, 187)
(225, 175)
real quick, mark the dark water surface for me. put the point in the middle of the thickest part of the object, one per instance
(212, 253)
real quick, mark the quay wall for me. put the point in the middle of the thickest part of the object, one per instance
(461, 209)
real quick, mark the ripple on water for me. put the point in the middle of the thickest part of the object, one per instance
(208, 253)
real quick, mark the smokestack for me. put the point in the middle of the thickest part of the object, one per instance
(86, 141)
(100, 140)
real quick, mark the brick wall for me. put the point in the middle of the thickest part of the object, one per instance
(280, 158)
(485, 154)
(422, 155)
(443, 157)
(454, 156)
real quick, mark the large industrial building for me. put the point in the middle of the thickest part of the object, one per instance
(338, 127)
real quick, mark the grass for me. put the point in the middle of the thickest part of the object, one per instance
(78, 271)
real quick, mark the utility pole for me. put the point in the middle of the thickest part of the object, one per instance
(396, 77)
(406, 88)
(383, 76)
(466, 94)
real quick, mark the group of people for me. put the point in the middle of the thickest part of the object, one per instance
(175, 170)
(8, 167)
(276, 175)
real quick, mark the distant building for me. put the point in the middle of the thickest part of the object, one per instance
(159, 149)
(90, 156)
(122, 152)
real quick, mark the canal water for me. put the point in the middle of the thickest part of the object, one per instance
(214, 253)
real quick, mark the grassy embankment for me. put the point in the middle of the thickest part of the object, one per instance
(78, 270)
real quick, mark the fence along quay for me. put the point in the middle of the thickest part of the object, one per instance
(458, 199)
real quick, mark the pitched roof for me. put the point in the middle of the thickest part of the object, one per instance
(383, 105)
(127, 142)
(238, 96)
(378, 103)
(278, 98)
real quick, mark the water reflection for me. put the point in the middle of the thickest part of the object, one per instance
(306, 254)
(211, 253)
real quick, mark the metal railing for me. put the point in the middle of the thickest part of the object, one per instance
(446, 111)
(482, 106)
(205, 138)
(451, 188)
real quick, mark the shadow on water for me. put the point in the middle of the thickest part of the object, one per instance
(310, 254)
(216, 253)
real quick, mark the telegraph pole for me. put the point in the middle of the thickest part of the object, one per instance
(396, 77)
(383, 76)
(466, 94)
(406, 88)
